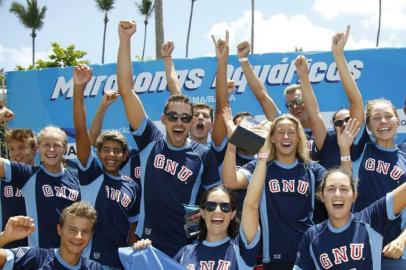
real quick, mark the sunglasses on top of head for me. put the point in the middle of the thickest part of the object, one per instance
(211, 206)
(289, 105)
(340, 122)
(184, 117)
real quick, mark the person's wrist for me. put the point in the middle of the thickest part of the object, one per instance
(263, 155)
(345, 158)
(167, 56)
(243, 59)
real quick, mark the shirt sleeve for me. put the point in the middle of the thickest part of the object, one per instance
(91, 170)
(210, 176)
(248, 169)
(22, 258)
(18, 173)
(359, 143)
(379, 214)
(135, 208)
(249, 252)
(146, 133)
(303, 256)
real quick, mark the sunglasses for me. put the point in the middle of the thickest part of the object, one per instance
(297, 102)
(173, 117)
(340, 123)
(224, 206)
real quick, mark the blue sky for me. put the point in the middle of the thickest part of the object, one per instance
(280, 26)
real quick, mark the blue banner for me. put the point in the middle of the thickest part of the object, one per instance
(44, 97)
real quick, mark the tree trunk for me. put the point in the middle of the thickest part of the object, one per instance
(106, 20)
(145, 38)
(190, 26)
(33, 35)
(159, 28)
(379, 24)
(252, 25)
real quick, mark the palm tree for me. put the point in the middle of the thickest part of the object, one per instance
(32, 17)
(159, 28)
(379, 24)
(252, 25)
(145, 7)
(105, 6)
(190, 26)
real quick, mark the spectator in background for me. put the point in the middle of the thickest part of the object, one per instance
(22, 147)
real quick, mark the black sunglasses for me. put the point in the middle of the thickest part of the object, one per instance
(173, 117)
(297, 102)
(225, 207)
(340, 122)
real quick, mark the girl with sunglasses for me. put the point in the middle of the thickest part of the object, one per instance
(288, 195)
(346, 240)
(223, 243)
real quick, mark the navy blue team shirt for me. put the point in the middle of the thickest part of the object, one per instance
(116, 200)
(286, 206)
(46, 195)
(31, 258)
(225, 254)
(12, 204)
(170, 176)
(355, 245)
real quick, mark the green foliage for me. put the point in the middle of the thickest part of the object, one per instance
(145, 7)
(105, 5)
(59, 57)
(31, 16)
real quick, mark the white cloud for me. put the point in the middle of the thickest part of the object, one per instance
(367, 11)
(281, 33)
(11, 57)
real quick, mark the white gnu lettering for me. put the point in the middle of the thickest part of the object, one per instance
(288, 186)
(118, 196)
(341, 255)
(382, 167)
(137, 172)
(171, 166)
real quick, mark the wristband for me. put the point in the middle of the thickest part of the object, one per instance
(263, 155)
(345, 158)
(243, 59)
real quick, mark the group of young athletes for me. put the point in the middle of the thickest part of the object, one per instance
(311, 198)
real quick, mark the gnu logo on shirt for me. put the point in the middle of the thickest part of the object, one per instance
(382, 167)
(340, 255)
(60, 191)
(118, 196)
(137, 172)
(9, 192)
(209, 265)
(171, 166)
(291, 186)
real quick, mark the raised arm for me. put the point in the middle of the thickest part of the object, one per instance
(5, 114)
(250, 210)
(356, 105)
(109, 98)
(345, 137)
(395, 249)
(311, 106)
(232, 179)
(257, 86)
(170, 73)
(219, 132)
(17, 227)
(81, 76)
(133, 105)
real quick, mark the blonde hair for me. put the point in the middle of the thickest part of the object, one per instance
(291, 88)
(54, 130)
(79, 209)
(372, 103)
(302, 152)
